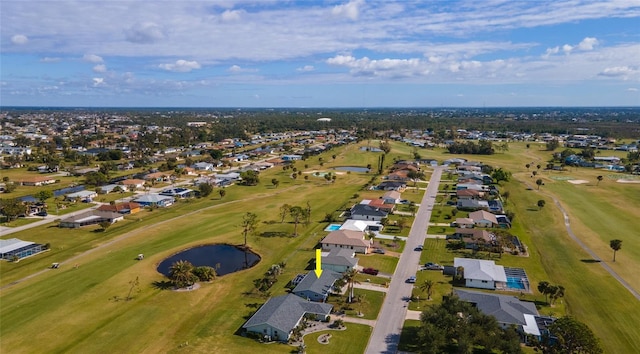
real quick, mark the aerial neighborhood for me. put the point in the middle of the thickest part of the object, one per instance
(308, 237)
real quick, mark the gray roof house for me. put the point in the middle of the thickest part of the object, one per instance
(339, 260)
(480, 273)
(366, 212)
(277, 318)
(508, 310)
(314, 288)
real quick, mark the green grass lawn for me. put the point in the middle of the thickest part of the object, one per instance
(19, 221)
(351, 340)
(381, 262)
(368, 307)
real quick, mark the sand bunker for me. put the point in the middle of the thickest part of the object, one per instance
(577, 181)
(627, 181)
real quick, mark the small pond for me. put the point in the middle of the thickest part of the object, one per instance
(230, 258)
(351, 168)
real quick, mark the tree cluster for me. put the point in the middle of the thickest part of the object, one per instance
(456, 326)
(482, 147)
(567, 336)
(551, 292)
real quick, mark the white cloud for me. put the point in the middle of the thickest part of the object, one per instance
(588, 43)
(350, 10)
(97, 81)
(238, 69)
(50, 60)
(567, 48)
(144, 33)
(92, 58)
(632, 89)
(231, 15)
(387, 67)
(19, 39)
(551, 51)
(100, 68)
(181, 66)
(619, 71)
(306, 68)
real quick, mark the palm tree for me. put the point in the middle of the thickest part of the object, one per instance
(615, 245)
(543, 288)
(181, 273)
(539, 182)
(249, 223)
(599, 179)
(222, 193)
(205, 273)
(350, 279)
(427, 286)
(541, 204)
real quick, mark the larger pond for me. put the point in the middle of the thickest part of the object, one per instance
(226, 258)
(351, 168)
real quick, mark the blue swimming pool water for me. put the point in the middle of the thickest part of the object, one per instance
(515, 283)
(333, 227)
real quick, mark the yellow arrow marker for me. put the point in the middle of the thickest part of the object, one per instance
(318, 269)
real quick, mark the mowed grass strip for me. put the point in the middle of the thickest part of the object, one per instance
(352, 340)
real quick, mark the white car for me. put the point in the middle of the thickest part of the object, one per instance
(412, 279)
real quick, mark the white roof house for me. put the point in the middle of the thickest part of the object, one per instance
(479, 273)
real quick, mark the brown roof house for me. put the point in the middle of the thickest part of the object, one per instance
(121, 208)
(346, 239)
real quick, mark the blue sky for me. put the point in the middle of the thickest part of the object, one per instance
(358, 53)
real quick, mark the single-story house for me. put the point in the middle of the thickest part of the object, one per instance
(288, 158)
(474, 237)
(158, 176)
(178, 192)
(154, 199)
(482, 274)
(507, 310)
(463, 223)
(469, 194)
(391, 197)
(203, 166)
(317, 289)
(478, 187)
(339, 260)
(81, 195)
(15, 247)
(347, 239)
(392, 186)
(471, 204)
(277, 318)
(132, 183)
(36, 181)
(92, 217)
(121, 208)
(230, 176)
(482, 218)
(109, 188)
(379, 204)
(361, 225)
(366, 212)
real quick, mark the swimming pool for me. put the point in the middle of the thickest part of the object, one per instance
(515, 283)
(333, 227)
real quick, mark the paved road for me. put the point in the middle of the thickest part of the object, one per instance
(386, 334)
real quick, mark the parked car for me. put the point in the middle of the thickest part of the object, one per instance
(42, 213)
(378, 250)
(419, 248)
(433, 266)
(412, 279)
(370, 271)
